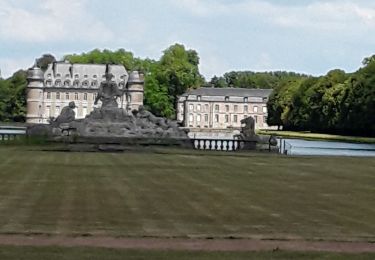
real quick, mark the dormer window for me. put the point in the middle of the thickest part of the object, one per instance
(86, 76)
(94, 76)
(67, 75)
(48, 83)
(76, 83)
(76, 76)
(58, 83)
(226, 98)
(66, 83)
(49, 75)
(245, 99)
(199, 98)
(85, 83)
(58, 75)
(94, 84)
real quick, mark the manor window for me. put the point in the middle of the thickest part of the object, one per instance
(245, 109)
(217, 108)
(235, 118)
(227, 108)
(48, 95)
(255, 109)
(198, 108)
(57, 95)
(85, 96)
(264, 109)
(67, 96)
(226, 118)
(76, 96)
(235, 108)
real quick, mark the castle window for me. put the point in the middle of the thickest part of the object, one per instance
(57, 111)
(85, 83)
(264, 109)
(93, 84)
(227, 108)
(217, 108)
(49, 75)
(256, 119)
(48, 95)
(217, 118)
(58, 75)
(206, 118)
(235, 108)
(226, 98)
(264, 119)
(48, 111)
(264, 99)
(235, 118)
(48, 83)
(198, 118)
(76, 96)
(206, 107)
(57, 95)
(76, 76)
(245, 99)
(199, 98)
(58, 83)
(85, 96)
(191, 107)
(199, 108)
(76, 83)
(95, 76)
(255, 109)
(67, 75)
(66, 83)
(191, 118)
(67, 96)
(86, 76)
(245, 109)
(226, 118)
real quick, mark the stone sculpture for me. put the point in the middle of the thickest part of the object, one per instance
(108, 93)
(67, 115)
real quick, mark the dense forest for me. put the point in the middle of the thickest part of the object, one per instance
(337, 102)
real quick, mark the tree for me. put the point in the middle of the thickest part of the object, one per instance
(43, 61)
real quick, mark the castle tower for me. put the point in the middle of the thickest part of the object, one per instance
(135, 91)
(35, 79)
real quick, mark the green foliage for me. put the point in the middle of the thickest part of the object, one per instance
(337, 102)
(250, 79)
(13, 97)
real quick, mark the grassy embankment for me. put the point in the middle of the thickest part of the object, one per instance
(317, 136)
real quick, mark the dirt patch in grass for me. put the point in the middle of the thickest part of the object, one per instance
(188, 244)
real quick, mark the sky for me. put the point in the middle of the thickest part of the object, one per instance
(307, 36)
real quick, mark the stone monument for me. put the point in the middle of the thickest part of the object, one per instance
(111, 123)
(247, 134)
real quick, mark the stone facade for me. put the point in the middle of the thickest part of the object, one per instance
(206, 109)
(48, 92)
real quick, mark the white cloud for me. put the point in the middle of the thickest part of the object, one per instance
(321, 15)
(51, 21)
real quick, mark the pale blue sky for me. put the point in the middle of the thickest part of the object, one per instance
(299, 35)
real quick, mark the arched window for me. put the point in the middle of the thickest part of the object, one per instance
(66, 83)
(49, 83)
(76, 83)
(94, 83)
(85, 83)
(245, 99)
(58, 83)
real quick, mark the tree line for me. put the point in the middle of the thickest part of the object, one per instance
(338, 102)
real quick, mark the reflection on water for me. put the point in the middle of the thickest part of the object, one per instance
(305, 147)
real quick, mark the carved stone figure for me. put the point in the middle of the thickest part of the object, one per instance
(108, 92)
(248, 129)
(67, 115)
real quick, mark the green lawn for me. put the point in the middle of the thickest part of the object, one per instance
(60, 253)
(197, 195)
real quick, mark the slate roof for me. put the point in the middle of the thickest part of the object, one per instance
(237, 92)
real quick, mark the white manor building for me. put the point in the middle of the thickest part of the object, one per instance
(208, 110)
(48, 92)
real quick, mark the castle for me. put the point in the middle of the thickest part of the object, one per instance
(48, 92)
